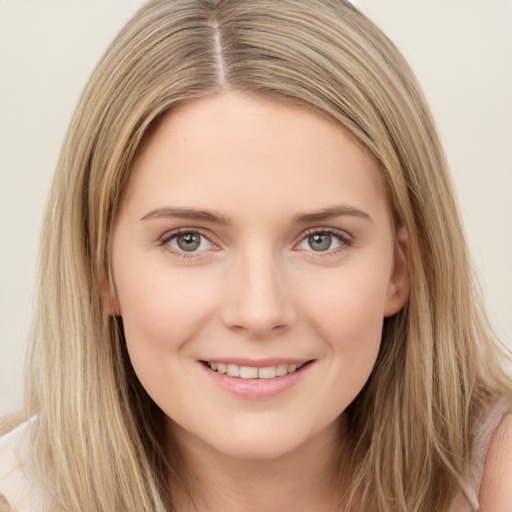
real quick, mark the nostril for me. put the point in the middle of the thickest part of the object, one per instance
(256, 300)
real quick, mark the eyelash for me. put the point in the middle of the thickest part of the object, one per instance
(164, 241)
(342, 237)
(345, 239)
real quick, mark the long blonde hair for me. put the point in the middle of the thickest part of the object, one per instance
(99, 441)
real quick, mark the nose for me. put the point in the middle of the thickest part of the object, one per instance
(258, 301)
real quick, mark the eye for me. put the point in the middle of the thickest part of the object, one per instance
(324, 241)
(188, 241)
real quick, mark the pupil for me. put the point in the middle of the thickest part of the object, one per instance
(320, 242)
(189, 241)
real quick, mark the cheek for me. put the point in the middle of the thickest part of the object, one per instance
(350, 309)
(348, 317)
(161, 310)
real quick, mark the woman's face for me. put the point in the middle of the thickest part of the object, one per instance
(255, 239)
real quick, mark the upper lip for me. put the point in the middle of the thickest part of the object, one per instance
(257, 363)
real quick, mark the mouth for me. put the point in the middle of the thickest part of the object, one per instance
(255, 372)
(256, 379)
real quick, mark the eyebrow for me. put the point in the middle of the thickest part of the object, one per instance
(187, 213)
(332, 213)
(218, 218)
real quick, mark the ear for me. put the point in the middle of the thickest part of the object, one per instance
(398, 287)
(108, 295)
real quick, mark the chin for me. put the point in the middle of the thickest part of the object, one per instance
(265, 447)
(267, 440)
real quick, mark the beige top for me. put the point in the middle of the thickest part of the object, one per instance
(20, 493)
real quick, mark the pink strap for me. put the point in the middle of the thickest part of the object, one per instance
(489, 422)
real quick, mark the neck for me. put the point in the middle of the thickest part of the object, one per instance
(303, 480)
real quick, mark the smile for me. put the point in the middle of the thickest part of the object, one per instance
(252, 372)
(256, 379)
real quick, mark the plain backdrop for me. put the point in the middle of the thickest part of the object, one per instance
(461, 51)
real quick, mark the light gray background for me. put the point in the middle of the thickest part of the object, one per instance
(461, 51)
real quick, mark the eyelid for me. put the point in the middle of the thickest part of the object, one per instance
(164, 240)
(343, 236)
(346, 239)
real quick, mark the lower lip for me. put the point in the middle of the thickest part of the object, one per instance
(257, 388)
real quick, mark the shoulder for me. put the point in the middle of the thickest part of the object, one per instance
(16, 486)
(496, 488)
(4, 504)
(13, 447)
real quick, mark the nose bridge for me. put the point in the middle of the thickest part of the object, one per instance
(257, 296)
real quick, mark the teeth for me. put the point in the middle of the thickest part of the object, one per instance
(233, 370)
(250, 372)
(247, 372)
(282, 369)
(267, 373)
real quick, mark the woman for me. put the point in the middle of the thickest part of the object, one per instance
(255, 290)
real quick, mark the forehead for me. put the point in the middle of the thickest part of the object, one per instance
(261, 151)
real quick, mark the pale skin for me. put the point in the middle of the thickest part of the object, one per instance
(496, 490)
(259, 231)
